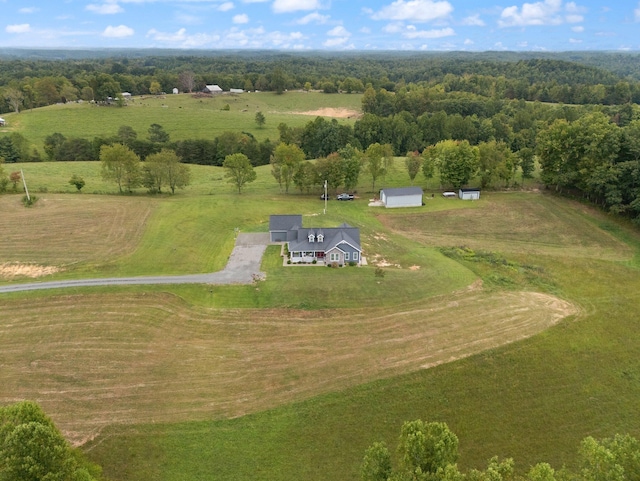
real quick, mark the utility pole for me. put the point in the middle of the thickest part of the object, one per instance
(325, 197)
(24, 182)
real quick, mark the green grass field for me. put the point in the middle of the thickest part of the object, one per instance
(183, 116)
(524, 342)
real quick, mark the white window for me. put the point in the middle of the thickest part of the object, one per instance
(346, 256)
(334, 256)
(355, 256)
(311, 237)
(320, 238)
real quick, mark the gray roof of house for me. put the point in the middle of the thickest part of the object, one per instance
(284, 222)
(298, 236)
(400, 191)
(333, 236)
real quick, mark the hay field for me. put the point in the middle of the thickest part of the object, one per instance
(119, 359)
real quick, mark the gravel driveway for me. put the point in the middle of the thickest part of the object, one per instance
(243, 267)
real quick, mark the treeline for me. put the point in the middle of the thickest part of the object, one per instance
(429, 452)
(29, 83)
(57, 147)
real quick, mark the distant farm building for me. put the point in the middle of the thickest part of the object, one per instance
(212, 89)
(236, 91)
(126, 95)
(471, 193)
(175, 90)
(402, 197)
(2, 122)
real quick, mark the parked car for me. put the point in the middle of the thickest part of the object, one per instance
(344, 197)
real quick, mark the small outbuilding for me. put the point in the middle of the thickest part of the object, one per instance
(175, 91)
(2, 122)
(471, 193)
(212, 89)
(402, 197)
(236, 91)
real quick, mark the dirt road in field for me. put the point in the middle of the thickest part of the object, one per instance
(243, 267)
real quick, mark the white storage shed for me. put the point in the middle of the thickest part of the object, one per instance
(402, 197)
(470, 193)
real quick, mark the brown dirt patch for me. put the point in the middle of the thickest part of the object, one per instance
(103, 359)
(16, 270)
(338, 113)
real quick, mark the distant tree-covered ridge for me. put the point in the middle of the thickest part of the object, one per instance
(34, 78)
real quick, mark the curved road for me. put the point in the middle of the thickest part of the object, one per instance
(242, 267)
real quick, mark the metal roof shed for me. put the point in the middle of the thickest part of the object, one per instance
(402, 197)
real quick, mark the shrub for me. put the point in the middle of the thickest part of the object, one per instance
(314, 261)
(29, 201)
(379, 272)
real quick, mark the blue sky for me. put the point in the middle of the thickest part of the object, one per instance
(436, 25)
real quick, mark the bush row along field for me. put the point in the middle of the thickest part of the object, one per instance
(533, 399)
(184, 116)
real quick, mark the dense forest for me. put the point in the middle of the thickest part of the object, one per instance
(576, 114)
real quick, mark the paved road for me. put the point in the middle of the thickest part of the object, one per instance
(242, 268)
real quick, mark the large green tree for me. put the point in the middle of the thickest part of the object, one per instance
(457, 161)
(284, 163)
(239, 170)
(164, 169)
(377, 161)
(413, 163)
(33, 449)
(120, 165)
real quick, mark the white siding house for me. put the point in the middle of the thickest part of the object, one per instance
(402, 197)
(469, 194)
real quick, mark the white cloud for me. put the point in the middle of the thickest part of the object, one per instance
(338, 31)
(414, 11)
(284, 6)
(336, 42)
(468, 41)
(226, 6)
(105, 9)
(473, 21)
(22, 28)
(29, 10)
(395, 27)
(242, 18)
(412, 32)
(365, 30)
(120, 31)
(578, 28)
(636, 13)
(575, 40)
(546, 12)
(314, 17)
(179, 36)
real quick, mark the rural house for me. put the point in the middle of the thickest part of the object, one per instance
(326, 245)
(402, 197)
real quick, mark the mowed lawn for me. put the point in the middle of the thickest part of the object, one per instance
(293, 377)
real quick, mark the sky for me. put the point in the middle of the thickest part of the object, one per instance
(332, 25)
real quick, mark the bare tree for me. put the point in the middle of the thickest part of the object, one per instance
(14, 97)
(187, 81)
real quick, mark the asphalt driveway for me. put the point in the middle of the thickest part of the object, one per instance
(243, 267)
